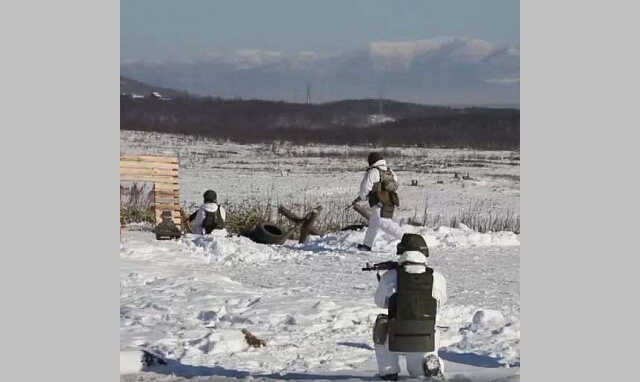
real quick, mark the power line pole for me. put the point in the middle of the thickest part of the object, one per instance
(308, 94)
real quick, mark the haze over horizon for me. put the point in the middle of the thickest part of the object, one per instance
(458, 52)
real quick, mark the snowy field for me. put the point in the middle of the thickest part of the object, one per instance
(188, 300)
(318, 173)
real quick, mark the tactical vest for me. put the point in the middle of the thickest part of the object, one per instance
(379, 194)
(412, 313)
(212, 220)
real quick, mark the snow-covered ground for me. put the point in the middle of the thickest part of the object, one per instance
(187, 300)
(320, 173)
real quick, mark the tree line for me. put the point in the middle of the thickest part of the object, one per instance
(344, 122)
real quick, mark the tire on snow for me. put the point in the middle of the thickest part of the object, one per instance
(267, 233)
(354, 227)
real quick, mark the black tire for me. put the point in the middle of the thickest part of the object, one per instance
(354, 227)
(267, 233)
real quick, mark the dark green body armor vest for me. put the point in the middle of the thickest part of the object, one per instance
(412, 313)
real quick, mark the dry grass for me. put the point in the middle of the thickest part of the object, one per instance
(479, 215)
(136, 204)
(244, 215)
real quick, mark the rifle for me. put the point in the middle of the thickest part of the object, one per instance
(384, 266)
(359, 209)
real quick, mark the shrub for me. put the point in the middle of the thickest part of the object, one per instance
(478, 215)
(243, 216)
(136, 204)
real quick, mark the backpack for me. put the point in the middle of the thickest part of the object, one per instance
(387, 182)
(212, 220)
(384, 191)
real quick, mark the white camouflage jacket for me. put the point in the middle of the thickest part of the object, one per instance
(373, 176)
(196, 225)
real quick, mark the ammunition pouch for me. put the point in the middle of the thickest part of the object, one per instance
(387, 199)
(381, 329)
(412, 335)
(372, 197)
(386, 211)
(393, 197)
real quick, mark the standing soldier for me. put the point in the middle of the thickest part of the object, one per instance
(413, 294)
(379, 186)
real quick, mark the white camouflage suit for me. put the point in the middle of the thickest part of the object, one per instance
(196, 225)
(376, 222)
(388, 362)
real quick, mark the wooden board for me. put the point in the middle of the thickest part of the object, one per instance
(172, 180)
(134, 164)
(162, 171)
(169, 187)
(148, 158)
(167, 206)
(149, 172)
(162, 194)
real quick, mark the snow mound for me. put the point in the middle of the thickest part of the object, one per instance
(440, 237)
(140, 226)
(130, 361)
(465, 237)
(211, 316)
(227, 341)
(386, 242)
(490, 335)
(224, 249)
(487, 319)
(221, 248)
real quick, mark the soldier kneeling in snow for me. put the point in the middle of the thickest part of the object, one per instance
(413, 294)
(209, 216)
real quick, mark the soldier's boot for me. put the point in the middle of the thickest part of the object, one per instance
(389, 377)
(432, 367)
(363, 247)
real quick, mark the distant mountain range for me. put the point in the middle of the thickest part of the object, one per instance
(443, 71)
(352, 112)
(359, 121)
(130, 86)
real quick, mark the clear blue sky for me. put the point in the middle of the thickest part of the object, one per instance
(162, 29)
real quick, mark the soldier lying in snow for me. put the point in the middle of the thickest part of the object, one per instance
(209, 216)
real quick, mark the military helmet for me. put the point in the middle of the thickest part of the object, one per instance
(210, 196)
(373, 158)
(412, 242)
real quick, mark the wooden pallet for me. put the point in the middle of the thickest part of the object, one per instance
(162, 171)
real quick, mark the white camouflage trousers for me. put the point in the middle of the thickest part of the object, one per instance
(389, 362)
(377, 223)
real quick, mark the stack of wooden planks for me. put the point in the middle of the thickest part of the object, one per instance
(162, 171)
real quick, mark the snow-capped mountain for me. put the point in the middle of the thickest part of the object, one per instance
(443, 70)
